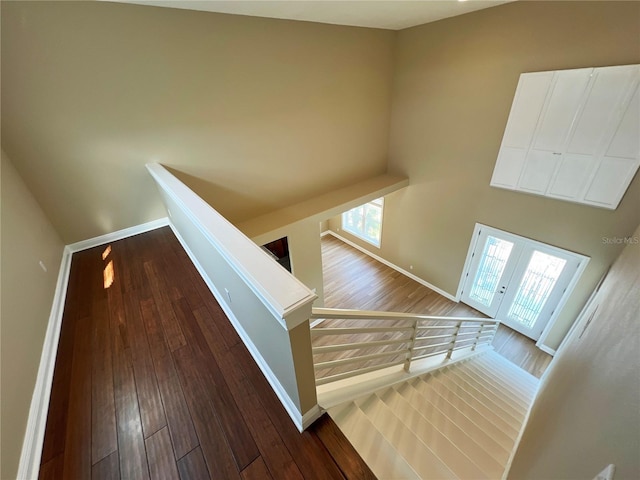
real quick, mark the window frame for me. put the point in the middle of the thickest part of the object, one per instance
(376, 203)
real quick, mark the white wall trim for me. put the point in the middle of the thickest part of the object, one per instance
(395, 267)
(31, 454)
(311, 416)
(118, 235)
(467, 260)
(545, 348)
(300, 421)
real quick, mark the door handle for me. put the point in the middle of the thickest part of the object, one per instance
(502, 289)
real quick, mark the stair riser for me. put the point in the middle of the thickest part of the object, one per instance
(512, 383)
(516, 410)
(498, 364)
(451, 390)
(431, 458)
(379, 454)
(511, 389)
(486, 440)
(424, 426)
(505, 414)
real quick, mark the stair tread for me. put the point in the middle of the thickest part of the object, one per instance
(516, 410)
(505, 422)
(376, 450)
(504, 438)
(498, 450)
(498, 360)
(421, 457)
(500, 383)
(427, 423)
(514, 378)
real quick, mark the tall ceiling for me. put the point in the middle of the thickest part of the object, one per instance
(387, 14)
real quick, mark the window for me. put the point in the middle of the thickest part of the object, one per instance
(365, 221)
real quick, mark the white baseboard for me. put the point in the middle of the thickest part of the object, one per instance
(301, 421)
(391, 265)
(546, 349)
(31, 454)
(118, 235)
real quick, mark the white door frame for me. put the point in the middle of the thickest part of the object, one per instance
(583, 261)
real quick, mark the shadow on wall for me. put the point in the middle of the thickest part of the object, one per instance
(228, 196)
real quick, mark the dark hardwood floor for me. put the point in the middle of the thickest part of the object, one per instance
(151, 381)
(355, 280)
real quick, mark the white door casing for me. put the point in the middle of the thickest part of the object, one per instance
(519, 281)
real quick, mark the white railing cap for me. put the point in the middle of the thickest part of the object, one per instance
(288, 299)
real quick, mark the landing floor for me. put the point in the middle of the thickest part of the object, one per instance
(152, 381)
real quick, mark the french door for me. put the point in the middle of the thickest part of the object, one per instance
(516, 280)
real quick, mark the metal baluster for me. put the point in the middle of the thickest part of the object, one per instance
(475, 342)
(414, 334)
(455, 338)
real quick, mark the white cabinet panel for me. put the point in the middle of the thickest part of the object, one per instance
(564, 99)
(626, 141)
(538, 171)
(573, 135)
(601, 108)
(525, 111)
(510, 162)
(608, 185)
(572, 176)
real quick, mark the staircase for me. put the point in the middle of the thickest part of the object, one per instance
(458, 422)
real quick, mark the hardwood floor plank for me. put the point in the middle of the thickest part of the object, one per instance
(193, 467)
(162, 465)
(104, 440)
(77, 458)
(239, 438)
(341, 450)
(310, 455)
(273, 452)
(52, 469)
(132, 453)
(214, 445)
(172, 330)
(257, 471)
(151, 408)
(107, 469)
(181, 429)
(182, 273)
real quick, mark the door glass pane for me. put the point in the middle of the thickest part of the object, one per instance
(494, 258)
(536, 285)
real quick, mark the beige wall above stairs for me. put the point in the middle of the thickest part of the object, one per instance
(587, 415)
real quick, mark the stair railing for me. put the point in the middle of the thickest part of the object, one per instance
(347, 343)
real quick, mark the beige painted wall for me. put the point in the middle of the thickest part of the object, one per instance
(27, 294)
(587, 414)
(238, 106)
(453, 87)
